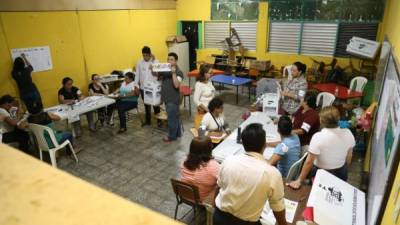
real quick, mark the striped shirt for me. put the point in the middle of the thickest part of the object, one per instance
(204, 177)
(298, 87)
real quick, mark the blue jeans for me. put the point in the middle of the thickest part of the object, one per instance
(174, 122)
(123, 107)
(66, 136)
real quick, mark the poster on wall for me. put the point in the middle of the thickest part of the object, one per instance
(39, 57)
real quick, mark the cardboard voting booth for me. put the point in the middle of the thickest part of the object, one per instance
(363, 47)
(336, 202)
(152, 93)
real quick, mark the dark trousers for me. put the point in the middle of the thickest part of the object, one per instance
(123, 107)
(105, 113)
(174, 121)
(31, 98)
(224, 218)
(147, 108)
(341, 172)
(20, 136)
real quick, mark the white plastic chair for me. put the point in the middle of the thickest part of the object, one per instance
(358, 83)
(295, 169)
(287, 71)
(39, 131)
(327, 99)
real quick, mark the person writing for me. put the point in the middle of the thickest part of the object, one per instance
(200, 169)
(330, 149)
(214, 120)
(22, 74)
(69, 95)
(247, 182)
(127, 99)
(288, 151)
(96, 88)
(294, 90)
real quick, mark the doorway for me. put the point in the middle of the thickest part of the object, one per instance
(190, 29)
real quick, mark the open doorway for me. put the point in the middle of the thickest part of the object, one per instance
(191, 30)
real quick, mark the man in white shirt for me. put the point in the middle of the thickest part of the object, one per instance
(143, 75)
(12, 128)
(247, 182)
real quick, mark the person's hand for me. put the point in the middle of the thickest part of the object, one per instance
(23, 55)
(294, 184)
(151, 67)
(2, 117)
(284, 93)
(152, 57)
(173, 69)
(23, 125)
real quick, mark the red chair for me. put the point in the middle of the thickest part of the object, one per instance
(186, 91)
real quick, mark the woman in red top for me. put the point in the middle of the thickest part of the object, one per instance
(200, 169)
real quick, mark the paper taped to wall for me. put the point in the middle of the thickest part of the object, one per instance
(39, 57)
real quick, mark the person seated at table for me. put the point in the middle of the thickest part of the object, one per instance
(38, 116)
(70, 95)
(288, 151)
(127, 99)
(200, 169)
(247, 182)
(330, 149)
(306, 120)
(213, 120)
(12, 129)
(294, 90)
(204, 92)
(96, 88)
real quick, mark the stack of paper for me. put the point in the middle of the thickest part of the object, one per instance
(268, 218)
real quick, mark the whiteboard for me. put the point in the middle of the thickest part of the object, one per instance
(39, 57)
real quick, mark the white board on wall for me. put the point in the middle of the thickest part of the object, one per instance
(39, 57)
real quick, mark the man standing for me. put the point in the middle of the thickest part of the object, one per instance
(144, 75)
(170, 95)
(247, 182)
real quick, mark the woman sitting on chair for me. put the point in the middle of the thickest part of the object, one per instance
(330, 149)
(213, 120)
(200, 169)
(38, 116)
(127, 99)
(96, 88)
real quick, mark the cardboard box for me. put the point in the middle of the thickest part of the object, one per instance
(175, 39)
(152, 93)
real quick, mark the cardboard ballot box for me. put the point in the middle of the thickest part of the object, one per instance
(336, 202)
(152, 93)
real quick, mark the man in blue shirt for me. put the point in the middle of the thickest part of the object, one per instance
(288, 151)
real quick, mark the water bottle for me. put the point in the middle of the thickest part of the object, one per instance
(239, 135)
(202, 130)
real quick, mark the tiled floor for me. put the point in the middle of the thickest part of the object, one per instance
(137, 165)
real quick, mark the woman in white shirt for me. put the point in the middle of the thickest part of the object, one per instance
(128, 95)
(204, 90)
(213, 120)
(330, 149)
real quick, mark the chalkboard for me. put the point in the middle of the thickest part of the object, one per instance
(385, 139)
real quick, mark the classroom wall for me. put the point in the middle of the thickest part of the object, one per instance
(391, 29)
(82, 43)
(203, 12)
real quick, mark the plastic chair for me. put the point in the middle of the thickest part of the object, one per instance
(189, 194)
(358, 84)
(39, 132)
(287, 70)
(326, 98)
(186, 91)
(295, 169)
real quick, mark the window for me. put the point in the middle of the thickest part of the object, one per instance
(216, 32)
(234, 9)
(284, 37)
(318, 39)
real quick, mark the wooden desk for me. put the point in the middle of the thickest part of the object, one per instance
(300, 196)
(34, 193)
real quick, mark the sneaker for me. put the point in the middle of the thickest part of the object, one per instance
(166, 140)
(121, 130)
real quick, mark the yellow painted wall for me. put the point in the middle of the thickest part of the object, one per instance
(82, 43)
(58, 30)
(193, 9)
(391, 29)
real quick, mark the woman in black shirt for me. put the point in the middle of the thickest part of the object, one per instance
(21, 73)
(96, 88)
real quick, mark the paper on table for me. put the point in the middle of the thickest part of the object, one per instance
(268, 218)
